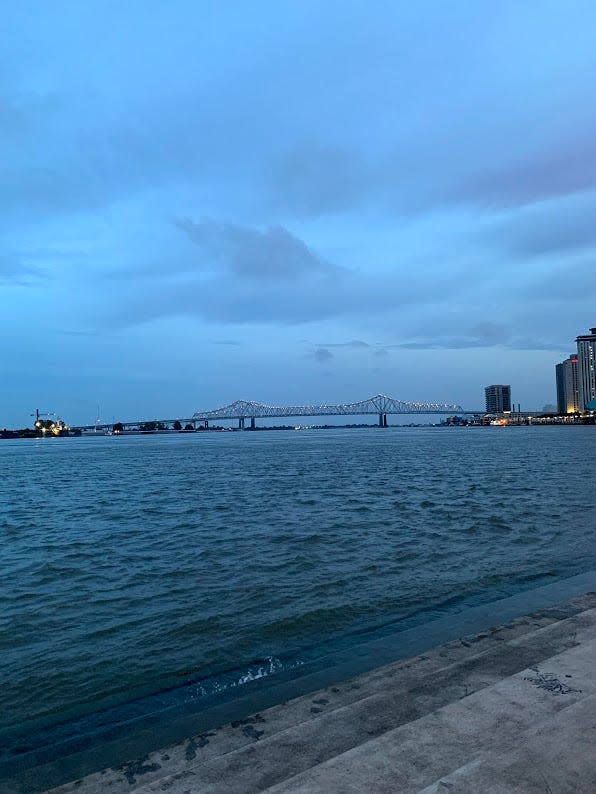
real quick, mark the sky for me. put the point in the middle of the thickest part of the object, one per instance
(292, 202)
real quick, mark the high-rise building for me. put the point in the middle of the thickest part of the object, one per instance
(586, 358)
(568, 385)
(498, 399)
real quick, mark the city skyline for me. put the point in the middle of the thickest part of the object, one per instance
(576, 376)
(292, 203)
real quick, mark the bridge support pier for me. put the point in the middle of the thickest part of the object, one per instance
(253, 423)
(206, 425)
(241, 423)
(383, 420)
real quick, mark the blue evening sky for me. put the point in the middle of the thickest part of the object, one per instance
(292, 202)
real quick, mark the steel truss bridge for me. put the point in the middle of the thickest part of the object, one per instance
(241, 410)
(379, 405)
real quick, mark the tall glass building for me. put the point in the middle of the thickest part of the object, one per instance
(568, 385)
(586, 356)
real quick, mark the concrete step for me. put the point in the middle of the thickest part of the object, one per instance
(469, 739)
(292, 739)
(558, 755)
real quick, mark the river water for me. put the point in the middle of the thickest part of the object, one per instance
(137, 572)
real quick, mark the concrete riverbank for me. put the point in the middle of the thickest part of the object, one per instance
(510, 709)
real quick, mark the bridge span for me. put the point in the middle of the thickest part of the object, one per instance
(243, 410)
(381, 405)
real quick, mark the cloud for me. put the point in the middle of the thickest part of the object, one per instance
(482, 335)
(316, 178)
(321, 355)
(13, 270)
(77, 333)
(221, 297)
(552, 227)
(84, 162)
(563, 165)
(268, 277)
(274, 254)
(570, 284)
(490, 333)
(467, 343)
(237, 274)
(476, 154)
(99, 149)
(351, 343)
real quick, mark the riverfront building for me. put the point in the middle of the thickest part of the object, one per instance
(568, 385)
(586, 357)
(498, 399)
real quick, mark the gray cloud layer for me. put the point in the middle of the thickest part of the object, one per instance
(409, 173)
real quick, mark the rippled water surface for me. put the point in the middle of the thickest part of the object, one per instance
(132, 565)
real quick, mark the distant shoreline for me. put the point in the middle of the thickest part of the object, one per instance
(11, 435)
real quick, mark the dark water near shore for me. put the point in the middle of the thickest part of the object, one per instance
(156, 569)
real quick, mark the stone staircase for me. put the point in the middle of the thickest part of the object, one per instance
(510, 709)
